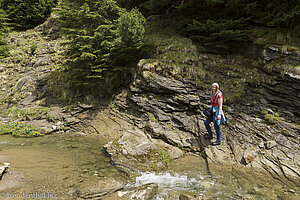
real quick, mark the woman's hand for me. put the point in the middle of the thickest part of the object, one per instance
(219, 116)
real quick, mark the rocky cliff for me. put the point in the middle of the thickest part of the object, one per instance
(261, 103)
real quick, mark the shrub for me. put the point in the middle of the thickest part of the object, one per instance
(279, 13)
(218, 33)
(19, 129)
(24, 14)
(3, 29)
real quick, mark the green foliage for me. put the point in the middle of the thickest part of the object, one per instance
(150, 7)
(218, 33)
(279, 13)
(19, 129)
(164, 157)
(34, 112)
(271, 118)
(153, 6)
(33, 48)
(24, 14)
(3, 29)
(3, 48)
(104, 39)
(129, 4)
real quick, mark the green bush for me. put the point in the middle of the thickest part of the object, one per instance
(218, 33)
(3, 29)
(279, 13)
(19, 129)
(24, 14)
(222, 24)
(149, 7)
(104, 40)
(3, 48)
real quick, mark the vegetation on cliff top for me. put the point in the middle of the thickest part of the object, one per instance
(221, 24)
(104, 39)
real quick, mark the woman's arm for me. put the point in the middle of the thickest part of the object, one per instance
(220, 102)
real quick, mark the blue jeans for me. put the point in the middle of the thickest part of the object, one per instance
(217, 128)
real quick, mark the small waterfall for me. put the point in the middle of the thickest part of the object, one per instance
(172, 181)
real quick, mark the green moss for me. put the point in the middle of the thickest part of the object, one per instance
(116, 142)
(164, 157)
(147, 75)
(271, 118)
(175, 56)
(152, 117)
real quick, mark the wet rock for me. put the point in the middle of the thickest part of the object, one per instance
(173, 152)
(177, 138)
(103, 187)
(144, 192)
(132, 151)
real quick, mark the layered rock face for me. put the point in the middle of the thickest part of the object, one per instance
(261, 106)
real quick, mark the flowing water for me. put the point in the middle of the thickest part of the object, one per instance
(189, 175)
(53, 165)
(60, 166)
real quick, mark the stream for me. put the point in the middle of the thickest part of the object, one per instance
(61, 166)
(55, 164)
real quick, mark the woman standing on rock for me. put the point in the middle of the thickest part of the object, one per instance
(218, 116)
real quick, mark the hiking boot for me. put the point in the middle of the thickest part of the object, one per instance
(216, 143)
(208, 137)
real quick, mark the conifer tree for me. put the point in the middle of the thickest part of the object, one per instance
(24, 14)
(3, 29)
(104, 39)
